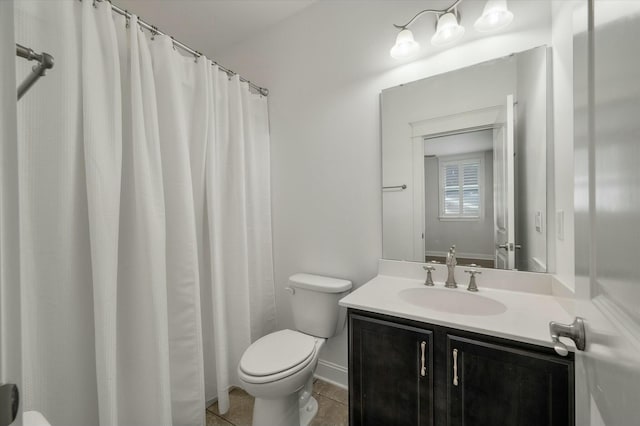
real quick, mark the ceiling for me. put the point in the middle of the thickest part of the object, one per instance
(211, 26)
(355, 32)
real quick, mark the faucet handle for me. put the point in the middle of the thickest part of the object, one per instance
(429, 280)
(472, 281)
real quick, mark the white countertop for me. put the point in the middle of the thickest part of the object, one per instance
(526, 318)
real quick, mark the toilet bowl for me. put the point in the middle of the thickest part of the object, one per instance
(281, 385)
(277, 369)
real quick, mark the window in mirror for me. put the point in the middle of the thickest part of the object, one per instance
(461, 187)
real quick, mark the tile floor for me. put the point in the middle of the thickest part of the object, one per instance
(332, 410)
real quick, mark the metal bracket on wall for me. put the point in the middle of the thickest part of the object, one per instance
(400, 187)
(45, 62)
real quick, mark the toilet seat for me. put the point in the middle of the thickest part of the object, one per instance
(277, 355)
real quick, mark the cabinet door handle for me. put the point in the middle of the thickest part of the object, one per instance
(423, 368)
(455, 367)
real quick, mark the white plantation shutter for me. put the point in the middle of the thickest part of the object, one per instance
(471, 189)
(460, 188)
(451, 189)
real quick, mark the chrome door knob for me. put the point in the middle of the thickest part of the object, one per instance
(574, 331)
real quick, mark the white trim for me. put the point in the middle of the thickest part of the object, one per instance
(209, 402)
(213, 399)
(332, 373)
(477, 118)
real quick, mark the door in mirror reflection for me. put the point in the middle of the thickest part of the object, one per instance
(504, 178)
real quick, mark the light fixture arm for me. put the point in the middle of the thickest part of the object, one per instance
(434, 11)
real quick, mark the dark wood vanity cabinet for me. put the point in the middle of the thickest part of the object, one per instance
(469, 379)
(390, 373)
(499, 384)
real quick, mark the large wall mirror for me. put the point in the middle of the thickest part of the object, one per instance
(464, 163)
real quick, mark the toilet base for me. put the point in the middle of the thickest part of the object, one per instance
(283, 411)
(308, 412)
(297, 409)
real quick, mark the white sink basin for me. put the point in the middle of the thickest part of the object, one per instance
(457, 301)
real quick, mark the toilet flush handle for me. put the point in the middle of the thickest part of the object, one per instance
(290, 290)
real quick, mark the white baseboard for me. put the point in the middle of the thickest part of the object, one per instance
(211, 401)
(332, 373)
(536, 265)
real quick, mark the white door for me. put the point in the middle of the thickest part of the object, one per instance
(607, 212)
(503, 181)
(10, 331)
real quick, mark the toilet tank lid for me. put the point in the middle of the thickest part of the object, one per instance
(319, 283)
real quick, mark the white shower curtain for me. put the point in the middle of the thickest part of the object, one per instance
(10, 348)
(146, 229)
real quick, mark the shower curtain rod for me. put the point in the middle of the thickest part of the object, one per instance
(46, 62)
(155, 31)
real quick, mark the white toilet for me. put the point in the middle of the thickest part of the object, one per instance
(277, 369)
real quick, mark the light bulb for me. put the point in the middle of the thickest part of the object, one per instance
(405, 47)
(448, 30)
(495, 16)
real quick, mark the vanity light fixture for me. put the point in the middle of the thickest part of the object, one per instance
(448, 29)
(495, 16)
(406, 47)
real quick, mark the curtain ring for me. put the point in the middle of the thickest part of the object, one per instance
(154, 31)
(126, 18)
(173, 43)
(94, 4)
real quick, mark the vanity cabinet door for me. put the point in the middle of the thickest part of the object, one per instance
(492, 384)
(390, 373)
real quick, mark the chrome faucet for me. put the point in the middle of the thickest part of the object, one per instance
(451, 266)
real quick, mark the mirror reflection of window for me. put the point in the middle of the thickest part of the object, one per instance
(461, 185)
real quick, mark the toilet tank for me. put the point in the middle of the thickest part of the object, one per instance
(314, 302)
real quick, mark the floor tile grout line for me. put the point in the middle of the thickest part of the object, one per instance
(332, 399)
(219, 416)
(225, 419)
